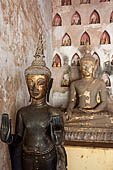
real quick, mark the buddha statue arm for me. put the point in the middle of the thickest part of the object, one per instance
(101, 104)
(98, 108)
(5, 133)
(57, 127)
(19, 127)
(72, 99)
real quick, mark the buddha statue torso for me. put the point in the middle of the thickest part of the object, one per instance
(33, 123)
(37, 142)
(90, 93)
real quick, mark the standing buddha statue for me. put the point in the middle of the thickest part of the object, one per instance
(39, 127)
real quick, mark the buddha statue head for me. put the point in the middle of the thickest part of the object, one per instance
(88, 64)
(38, 76)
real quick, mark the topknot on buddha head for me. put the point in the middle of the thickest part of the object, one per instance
(88, 56)
(38, 66)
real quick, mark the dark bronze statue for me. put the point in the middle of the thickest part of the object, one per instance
(37, 143)
(89, 113)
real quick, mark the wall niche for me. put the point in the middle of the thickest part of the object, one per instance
(106, 79)
(76, 19)
(75, 60)
(65, 2)
(111, 17)
(84, 1)
(97, 58)
(56, 61)
(105, 38)
(85, 39)
(112, 60)
(57, 21)
(66, 40)
(94, 18)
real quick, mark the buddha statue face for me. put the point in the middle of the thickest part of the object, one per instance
(37, 86)
(87, 68)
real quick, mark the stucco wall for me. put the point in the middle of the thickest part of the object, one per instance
(20, 22)
(75, 32)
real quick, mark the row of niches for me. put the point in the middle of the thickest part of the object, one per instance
(76, 19)
(85, 39)
(69, 2)
(75, 62)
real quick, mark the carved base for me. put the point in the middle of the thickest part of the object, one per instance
(90, 128)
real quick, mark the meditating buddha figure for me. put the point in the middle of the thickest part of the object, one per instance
(90, 111)
(87, 94)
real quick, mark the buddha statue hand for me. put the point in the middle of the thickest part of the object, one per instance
(57, 129)
(68, 113)
(5, 132)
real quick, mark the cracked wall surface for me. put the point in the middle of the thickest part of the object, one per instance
(20, 22)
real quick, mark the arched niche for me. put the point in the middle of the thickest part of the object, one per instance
(97, 58)
(66, 40)
(112, 60)
(85, 39)
(94, 18)
(75, 61)
(84, 1)
(65, 2)
(106, 79)
(105, 38)
(111, 17)
(76, 19)
(57, 21)
(56, 61)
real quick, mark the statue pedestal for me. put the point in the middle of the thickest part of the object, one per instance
(85, 158)
(90, 129)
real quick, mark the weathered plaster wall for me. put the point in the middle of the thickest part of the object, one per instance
(75, 32)
(20, 22)
(46, 13)
(81, 158)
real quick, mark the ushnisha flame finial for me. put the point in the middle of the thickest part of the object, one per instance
(88, 49)
(87, 55)
(40, 48)
(38, 65)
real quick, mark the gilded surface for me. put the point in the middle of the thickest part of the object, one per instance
(88, 118)
(37, 142)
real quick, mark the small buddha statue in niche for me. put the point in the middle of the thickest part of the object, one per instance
(66, 41)
(56, 61)
(39, 127)
(105, 38)
(106, 79)
(87, 94)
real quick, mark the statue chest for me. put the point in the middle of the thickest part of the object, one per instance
(37, 119)
(88, 96)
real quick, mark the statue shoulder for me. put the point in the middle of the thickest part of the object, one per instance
(74, 83)
(101, 83)
(55, 111)
(23, 109)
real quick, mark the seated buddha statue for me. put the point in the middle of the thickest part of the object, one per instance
(87, 112)
(87, 94)
(39, 127)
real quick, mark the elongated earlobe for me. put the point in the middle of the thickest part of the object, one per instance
(49, 88)
(30, 99)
